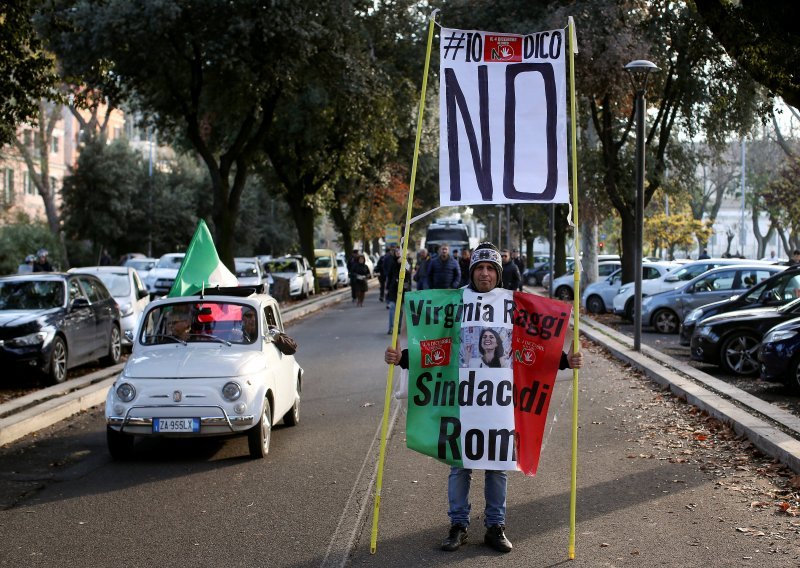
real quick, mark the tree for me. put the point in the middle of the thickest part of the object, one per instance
(207, 74)
(781, 197)
(697, 91)
(763, 39)
(27, 71)
(21, 236)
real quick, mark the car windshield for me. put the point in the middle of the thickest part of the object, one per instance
(117, 283)
(198, 322)
(283, 266)
(246, 270)
(170, 262)
(137, 264)
(323, 262)
(31, 295)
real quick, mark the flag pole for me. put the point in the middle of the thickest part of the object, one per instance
(576, 287)
(398, 302)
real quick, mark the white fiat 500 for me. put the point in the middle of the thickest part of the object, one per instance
(205, 365)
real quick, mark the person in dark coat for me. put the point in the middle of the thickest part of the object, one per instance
(42, 264)
(511, 276)
(392, 284)
(463, 265)
(421, 272)
(443, 271)
(360, 275)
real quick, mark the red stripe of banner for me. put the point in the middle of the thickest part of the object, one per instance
(540, 327)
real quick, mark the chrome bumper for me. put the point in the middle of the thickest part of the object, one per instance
(223, 419)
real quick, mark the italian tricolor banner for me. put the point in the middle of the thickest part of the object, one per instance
(481, 372)
(201, 267)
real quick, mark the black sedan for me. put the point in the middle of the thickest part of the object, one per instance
(780, 354)
(50, 322)
(732, 340)
(777, 290)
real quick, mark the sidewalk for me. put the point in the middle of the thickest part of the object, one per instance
(659, 484)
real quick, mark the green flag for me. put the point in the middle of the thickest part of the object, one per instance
(201, 266)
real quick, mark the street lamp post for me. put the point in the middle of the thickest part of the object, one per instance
(639, 71)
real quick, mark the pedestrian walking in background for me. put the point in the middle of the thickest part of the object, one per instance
(421, 272)
(463, 266)
(351, 263)
(443, 271)
(42, 264)
(392, 283)
(485, 274)
(359, 275)
(512, 279)
(381, 275)
(389, 260)
(105, 258)
(795, 258)
(520, 262)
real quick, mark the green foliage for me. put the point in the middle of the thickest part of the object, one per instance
(762, 37)
(27, 71)
(21, 236)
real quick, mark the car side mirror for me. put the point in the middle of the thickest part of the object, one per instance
(129, 335)
(143, 294)
(671, 279)
(80, 303)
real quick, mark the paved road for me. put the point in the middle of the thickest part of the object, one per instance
(658, 484)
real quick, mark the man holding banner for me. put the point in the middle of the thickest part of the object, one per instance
(482, 429)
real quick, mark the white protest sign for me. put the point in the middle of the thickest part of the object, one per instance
(503, 121)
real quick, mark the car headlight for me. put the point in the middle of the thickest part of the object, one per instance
(27, 340)
(693, 316)
(126, 392)
(125, 309)
(779, 335)
(231, 391)
(703, 330)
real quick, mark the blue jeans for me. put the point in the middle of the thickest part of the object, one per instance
(494, 491)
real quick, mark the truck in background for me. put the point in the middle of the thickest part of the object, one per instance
(451, 232)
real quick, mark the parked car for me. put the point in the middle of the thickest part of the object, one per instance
(51, 322)
(341, 272)
(623, 301)
(205, 366)
(665, 311)
(563, 286)
(162, 276)
(325, 268)
(127, 289)
(249, 272)
(598, 297)
(141, 265)
(296, 270)
(779, 355)
(732, 340)
(777, 290)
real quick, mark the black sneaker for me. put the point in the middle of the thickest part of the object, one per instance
(457, 537)
(496, 538)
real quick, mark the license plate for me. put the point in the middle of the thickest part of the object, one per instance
(176, 425)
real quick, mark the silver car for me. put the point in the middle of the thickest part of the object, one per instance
(128, 290)
(598, 297)
(666, 310)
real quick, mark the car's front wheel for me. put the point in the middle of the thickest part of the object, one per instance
(738, 354)
(114, 347)
(292, 418)
(666, 321)
(120, 445)
(793, 378)
(595, 305)
(57, 367)
(259, 435)
(564, 293)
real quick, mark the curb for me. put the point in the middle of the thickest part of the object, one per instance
(43, 408)
(724, 402)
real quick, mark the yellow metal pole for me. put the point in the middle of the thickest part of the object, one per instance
(373, 545)
(576, 296)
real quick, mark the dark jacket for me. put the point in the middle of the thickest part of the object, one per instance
(443, 273)
(359, 275)
(511, 276)
(421, 273)
(392, 281)
(463, 265)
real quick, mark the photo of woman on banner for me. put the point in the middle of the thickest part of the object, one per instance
(485, 347)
